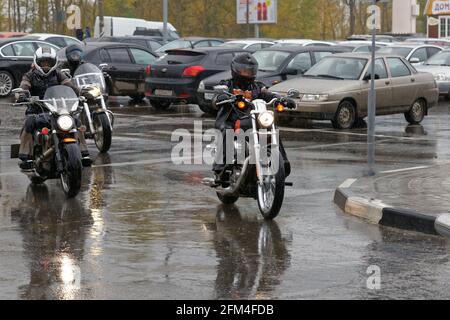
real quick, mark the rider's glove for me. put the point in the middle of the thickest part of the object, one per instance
(287, 103)
(22, 98)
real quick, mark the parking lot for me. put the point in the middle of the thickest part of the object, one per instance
(143, 227)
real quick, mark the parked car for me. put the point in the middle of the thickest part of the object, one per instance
(176, 76)
(156, 33)
(439, 66)
(249, 45)
(150, 43)
(125, 64)
(275, 65)
(16, 57)
(361, 46)
(6, 35)
(56, 39)
(302, 42)
(337, 89)
(435, 41)
(378, 37)
(412, 52)
(189, 43)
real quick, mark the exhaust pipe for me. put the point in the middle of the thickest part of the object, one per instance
(232, 190)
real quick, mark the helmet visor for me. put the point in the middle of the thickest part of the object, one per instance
(46, 63)
(74, 56)
(246, 70)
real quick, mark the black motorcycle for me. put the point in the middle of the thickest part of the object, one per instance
(258, 169)
(56, 144)
(96, 118)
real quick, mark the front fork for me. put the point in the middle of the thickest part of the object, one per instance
(109, 114)
(257, 147)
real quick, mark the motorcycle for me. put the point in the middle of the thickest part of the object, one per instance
(56, 145)
(96, 118)
(262, 174)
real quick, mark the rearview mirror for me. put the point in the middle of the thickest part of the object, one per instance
(414, 60)
(293, 93)
(103, 65)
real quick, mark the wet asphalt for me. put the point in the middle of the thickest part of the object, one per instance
(144, 228)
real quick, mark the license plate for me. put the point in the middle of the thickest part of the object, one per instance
(159, 92)
(209, 96)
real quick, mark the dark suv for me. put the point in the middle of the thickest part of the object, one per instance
(176, 76)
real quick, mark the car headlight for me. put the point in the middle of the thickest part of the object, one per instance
(441, 77)
(65, 123)
(266, 119)
(314, 97)
(201, 86)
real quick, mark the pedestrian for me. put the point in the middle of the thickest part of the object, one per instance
(79, 34)
(87, 33)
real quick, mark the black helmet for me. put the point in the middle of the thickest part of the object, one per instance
(244, 67)
(74, 54)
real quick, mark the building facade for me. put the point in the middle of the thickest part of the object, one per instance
(438, 18)
(404, 16)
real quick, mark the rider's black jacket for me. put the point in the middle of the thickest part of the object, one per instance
(225, 117)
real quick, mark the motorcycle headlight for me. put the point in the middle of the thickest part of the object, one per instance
(65, 123)
(266, 119)
(314, 97)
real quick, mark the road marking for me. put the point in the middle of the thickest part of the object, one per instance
(405, 169)
(347, 183)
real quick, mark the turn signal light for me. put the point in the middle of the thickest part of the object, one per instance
(193, 71)
(280, 108)
(45, 131)
(241, 105)
(148, 70)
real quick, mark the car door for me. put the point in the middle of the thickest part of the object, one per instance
(421, 54)
(17, 64)
(383, 87)
(404, 89)
(120, 70)
(141, 59)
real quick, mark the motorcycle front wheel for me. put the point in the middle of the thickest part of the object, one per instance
(71, 176)
(103, 132)
(271, 192)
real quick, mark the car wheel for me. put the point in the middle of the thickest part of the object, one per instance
(160, 105)
(416, 114)
(6, 83)
(345, 116)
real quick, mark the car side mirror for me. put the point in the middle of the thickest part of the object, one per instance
(103, 66)
(221, 89)
(414, 60)
(368, 77)
(291, 71)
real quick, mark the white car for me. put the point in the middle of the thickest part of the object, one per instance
(413, 52)
(303, 42)
(439, 66)
(58, 40)
(250, 45)
(361, 46)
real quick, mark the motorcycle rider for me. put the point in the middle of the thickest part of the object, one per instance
(74, 56)
(43, 75)
(244, 68)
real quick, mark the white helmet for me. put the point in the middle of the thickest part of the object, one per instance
(45, 60)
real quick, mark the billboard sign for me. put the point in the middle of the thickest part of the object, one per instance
(259, 11)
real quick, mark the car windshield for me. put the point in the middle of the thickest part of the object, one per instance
(176, 44)
(399, 51)
(64, 99)
(338, 68)
(89, 74)
(234, 45)
(270, 60)
(440, 59)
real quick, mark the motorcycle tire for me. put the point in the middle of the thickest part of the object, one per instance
(271, 211)
(71, 177)
(103, 132)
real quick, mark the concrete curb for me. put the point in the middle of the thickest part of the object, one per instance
(375, 211)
